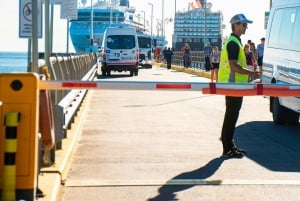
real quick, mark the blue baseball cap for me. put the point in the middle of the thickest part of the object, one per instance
(240, 18)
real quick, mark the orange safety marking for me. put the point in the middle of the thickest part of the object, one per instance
(212, 88)
(80, 84)
(173, 86)
(259, 89)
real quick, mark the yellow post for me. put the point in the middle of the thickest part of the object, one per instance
(19, 94)
(10, 150)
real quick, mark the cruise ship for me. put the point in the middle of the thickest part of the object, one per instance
(87, 30)
(197, 26)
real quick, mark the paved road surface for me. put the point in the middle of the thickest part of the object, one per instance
(164, 145)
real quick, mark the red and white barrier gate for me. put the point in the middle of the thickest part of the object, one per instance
(228, 89)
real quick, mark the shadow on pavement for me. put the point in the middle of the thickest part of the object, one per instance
(114, 76)
(274, 147)
(168, 192)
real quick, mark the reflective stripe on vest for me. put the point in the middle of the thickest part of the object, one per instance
(225, 74)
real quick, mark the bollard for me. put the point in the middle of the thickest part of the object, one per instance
(19, 95)
(10, 150)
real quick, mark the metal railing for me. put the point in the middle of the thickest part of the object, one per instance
(66, 103)
(197, 57)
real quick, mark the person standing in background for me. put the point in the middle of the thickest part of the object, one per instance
(186, 52)
(157, 54)
(254, 52)
(250, 59)
(168, 56)
(214, 64)
(260, 54)
(164, 54)
(207, 52)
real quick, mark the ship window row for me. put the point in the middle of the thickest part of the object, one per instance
(198, 34)
(197, 22)
(195, 40)
(108, 14)
(101, 19)
(197, 26)
(191, 30)
(96, 26)
(196, 30)
(198, 18)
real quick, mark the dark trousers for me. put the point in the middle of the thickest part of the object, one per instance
(186, 60)
(233, 106)
(207, 63)
(169, 61)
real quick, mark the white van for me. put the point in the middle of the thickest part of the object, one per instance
(119, 51)
(281, 61)
(146, 47)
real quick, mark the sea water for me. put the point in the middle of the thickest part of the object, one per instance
(13, 62)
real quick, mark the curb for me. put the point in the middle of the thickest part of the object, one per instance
(192, 71)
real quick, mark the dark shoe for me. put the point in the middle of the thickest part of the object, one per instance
(243, 151)
(39, 193)
(238, 149)
(233, 154)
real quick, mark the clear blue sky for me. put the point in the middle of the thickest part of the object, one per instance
(253, 9)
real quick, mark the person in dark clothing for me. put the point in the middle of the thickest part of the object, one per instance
(207, 53)
(233, 68)
(164, 54)
(186, 52)
(168, 57)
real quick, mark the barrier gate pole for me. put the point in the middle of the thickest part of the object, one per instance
(10, 150)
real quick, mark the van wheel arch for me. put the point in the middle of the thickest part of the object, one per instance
(282, 115)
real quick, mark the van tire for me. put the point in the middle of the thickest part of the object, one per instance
(279, 112)
(293, 118)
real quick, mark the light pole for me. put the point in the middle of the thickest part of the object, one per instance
(205, 21)
(144, 20)
(151, 17)
(162, 18)
(92, 24)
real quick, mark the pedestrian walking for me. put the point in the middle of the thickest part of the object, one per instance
(168, 56)
(214, 64)
(207, 52)
(233, 68)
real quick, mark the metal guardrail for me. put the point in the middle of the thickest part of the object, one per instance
(66, 103)
(198, 59)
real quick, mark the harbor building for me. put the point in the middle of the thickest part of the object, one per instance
(197, 26)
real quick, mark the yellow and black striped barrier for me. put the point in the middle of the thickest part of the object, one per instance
(19, 97)
(10, 151)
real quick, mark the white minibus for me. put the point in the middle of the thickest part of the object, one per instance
(281, 61)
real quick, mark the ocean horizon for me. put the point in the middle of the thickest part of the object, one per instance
(11, 61)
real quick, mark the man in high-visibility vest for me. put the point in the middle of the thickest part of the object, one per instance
(233, 68)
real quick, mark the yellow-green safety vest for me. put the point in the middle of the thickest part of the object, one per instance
(225, 73)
